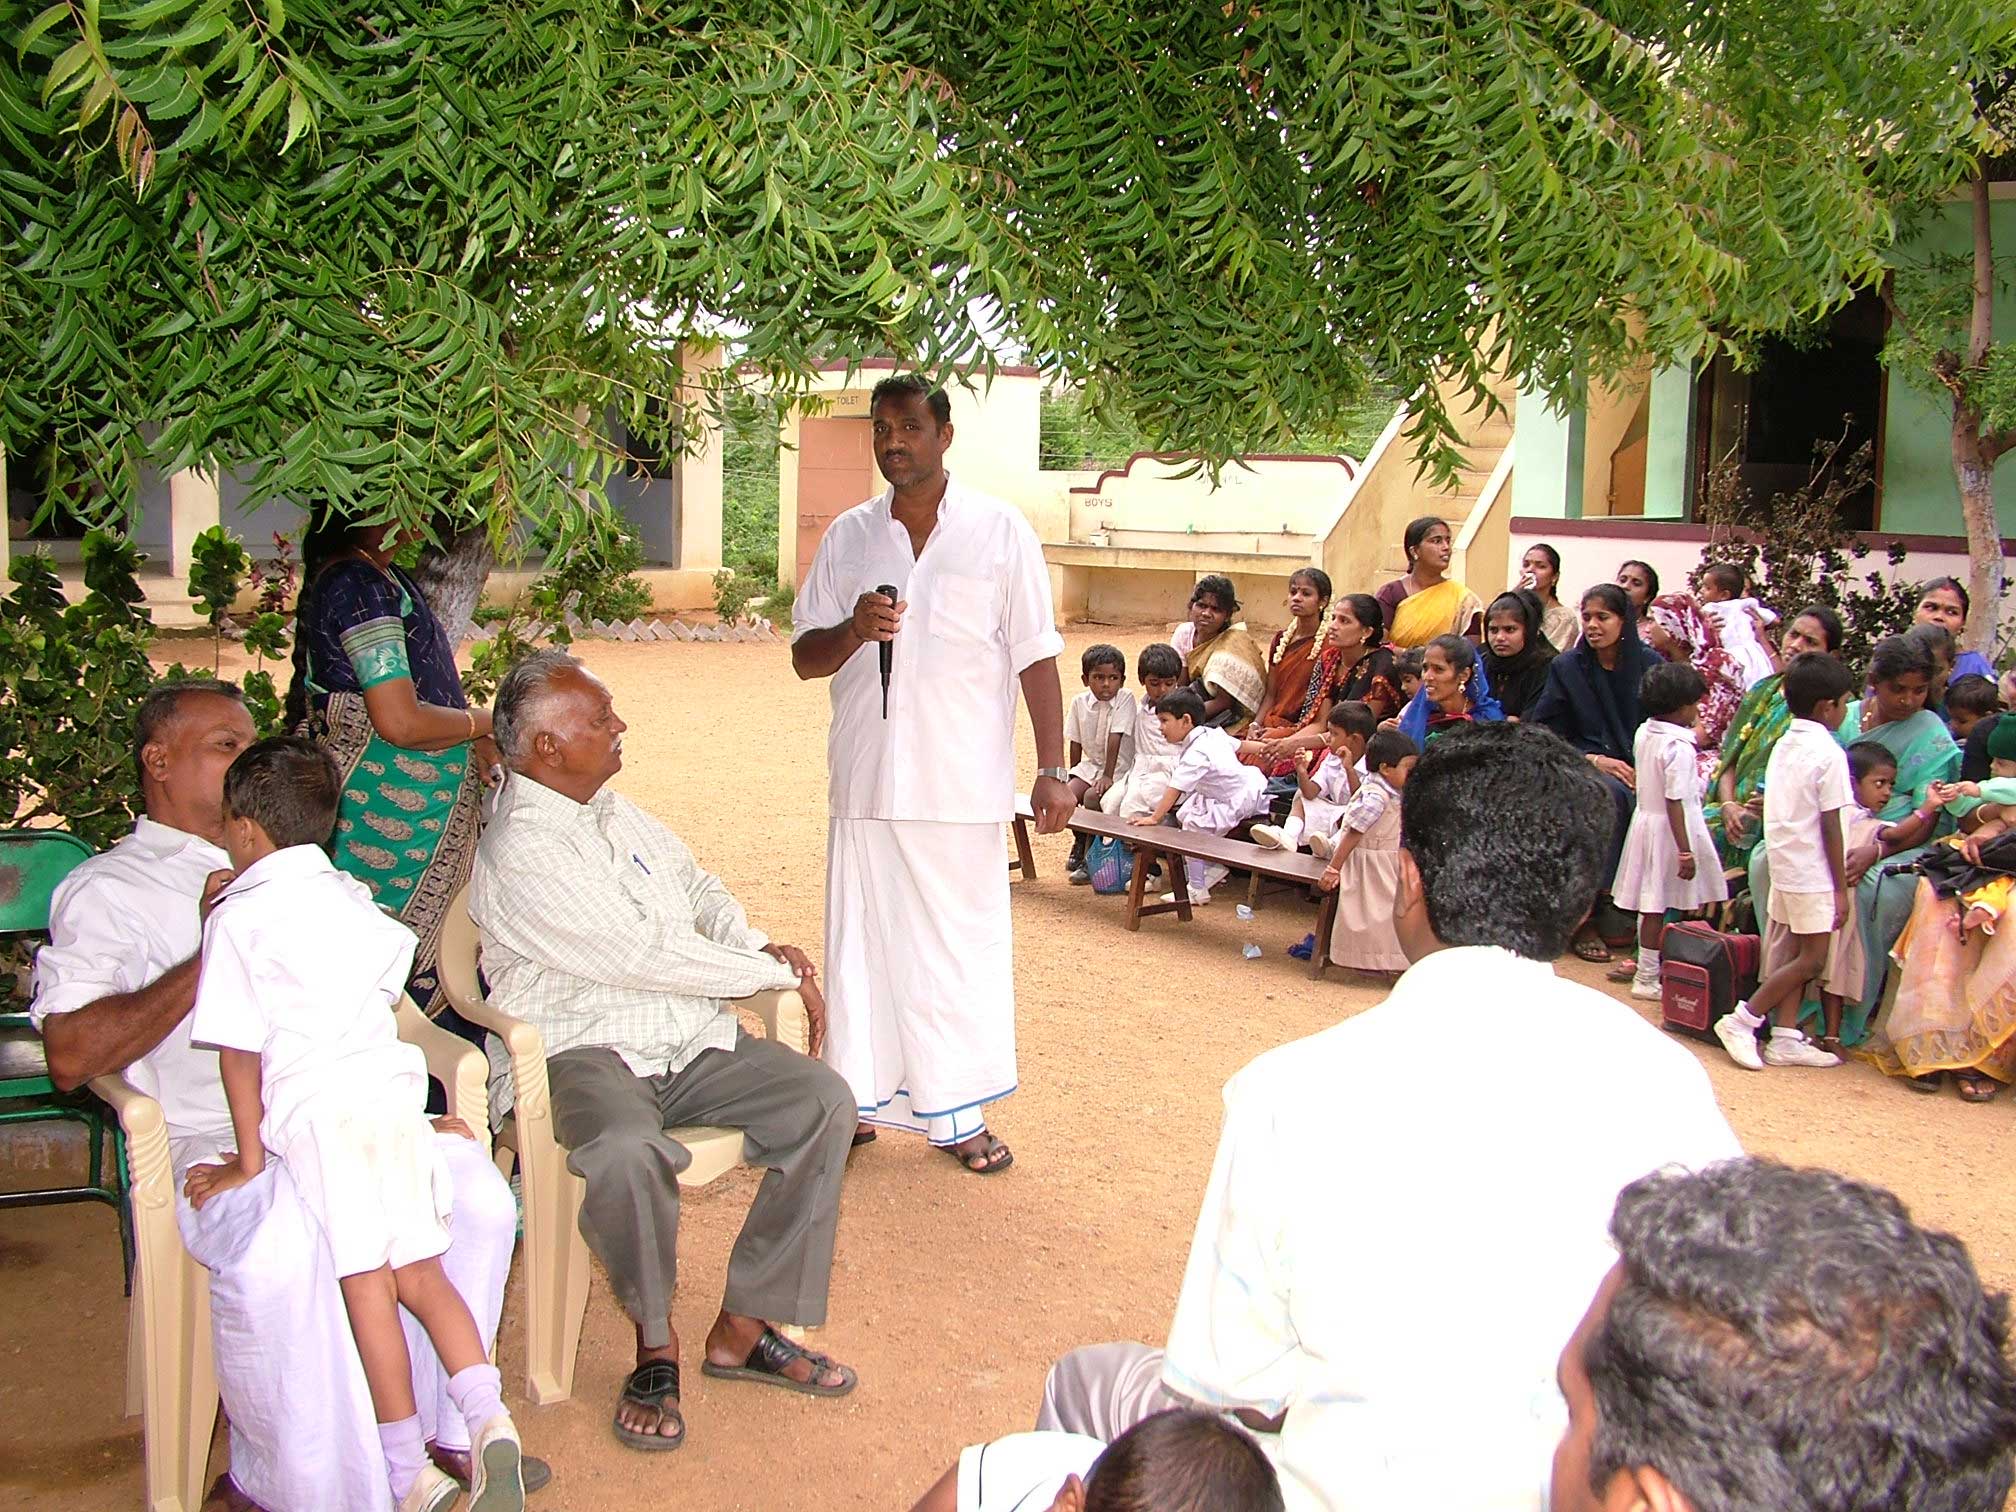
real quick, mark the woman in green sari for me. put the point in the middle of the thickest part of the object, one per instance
(1736, 822)
(1895, 717)
(375, 686)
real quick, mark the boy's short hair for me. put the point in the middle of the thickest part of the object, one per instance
(1407, 663)
(1182, 1460)
(287, 786)
(1790, 1338)
(1388, 748)
(1670, 686)
(1102, 655)
(163, 703)
(1510, 829)
(1724, 576)
(1814, 679)
(1159, 660)
(1973, 694)
(1183, 703)
(1354, 717)
(1866, 756)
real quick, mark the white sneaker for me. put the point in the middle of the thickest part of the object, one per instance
(1270, 836)
(497, 1468)
(1198, 898)
(434, 1491)
(1213, 875)
(1788, 1047)
(1322, 846)
(1741, 1043)
(1645, 987)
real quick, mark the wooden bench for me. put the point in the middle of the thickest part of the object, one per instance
(1164, 841)
(1025, 854)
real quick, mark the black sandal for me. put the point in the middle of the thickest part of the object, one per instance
(654, 1384)
(995, 1156)
(769, 1356)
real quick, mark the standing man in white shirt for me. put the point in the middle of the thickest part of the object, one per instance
(113, 993)
(1386, 1265)
(918, 965)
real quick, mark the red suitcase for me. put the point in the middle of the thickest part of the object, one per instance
(1703, 974)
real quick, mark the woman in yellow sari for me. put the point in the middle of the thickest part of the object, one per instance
(1220, 659)
(1427, 602)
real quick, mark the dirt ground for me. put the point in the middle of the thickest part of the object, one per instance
(951, 1294)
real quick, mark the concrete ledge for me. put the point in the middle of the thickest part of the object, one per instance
(1193, 560)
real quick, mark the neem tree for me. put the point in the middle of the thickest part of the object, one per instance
(402, 258)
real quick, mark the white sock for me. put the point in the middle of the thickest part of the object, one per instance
(1742, 1014)
(1648, 965)
(405, 1453)
(478, 1394)
(1786, 1031)
(1291, 832)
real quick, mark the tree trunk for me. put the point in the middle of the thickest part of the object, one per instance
(1976, 475)
(452, 581)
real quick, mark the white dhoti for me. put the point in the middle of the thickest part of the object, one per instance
(920, 995)
(303, 1435)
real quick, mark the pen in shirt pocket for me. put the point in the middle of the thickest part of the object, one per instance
(640, 863)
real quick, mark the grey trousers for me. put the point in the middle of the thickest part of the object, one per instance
(796, 1116)
(1102, 1390)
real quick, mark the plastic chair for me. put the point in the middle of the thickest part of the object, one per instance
(171, 1378)
(556, 1255)
(32, 864)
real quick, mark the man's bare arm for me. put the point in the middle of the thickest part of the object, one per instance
(112, 1033)
(821, 653)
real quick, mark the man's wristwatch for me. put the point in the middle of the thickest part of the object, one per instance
(1056, 774)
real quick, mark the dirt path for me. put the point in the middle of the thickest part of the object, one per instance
(951, 1294)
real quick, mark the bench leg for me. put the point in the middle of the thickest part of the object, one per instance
(1144, 860)
(1326, 920)
(1025, 856)
(1179, 878)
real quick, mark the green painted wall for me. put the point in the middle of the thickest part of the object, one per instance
(1547, 458)
(1919, 494)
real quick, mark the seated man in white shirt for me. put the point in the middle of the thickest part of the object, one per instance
(600, 930)
(1410, 1210)
(113, 992)
(1774, 1339)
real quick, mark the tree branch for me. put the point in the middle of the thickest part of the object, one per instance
(1981, 328)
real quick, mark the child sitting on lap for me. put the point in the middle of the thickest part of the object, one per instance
(1364, 869)
(1325, 784)
(1100, 728)
(300, 975)
(1806, 798)
(1969, 700)
(1215, 790)
(1669, 858)
(1739, 619)
(1161, 671)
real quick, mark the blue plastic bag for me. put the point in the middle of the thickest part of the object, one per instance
(1111, 864)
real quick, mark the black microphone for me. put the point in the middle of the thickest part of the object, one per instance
(885, 651)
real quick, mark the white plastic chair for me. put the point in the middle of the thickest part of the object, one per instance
(556, 1255)
(171, 1378)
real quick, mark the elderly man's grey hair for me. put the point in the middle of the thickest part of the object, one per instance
(514, 715)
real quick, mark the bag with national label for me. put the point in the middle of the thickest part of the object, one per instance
(1703, 974)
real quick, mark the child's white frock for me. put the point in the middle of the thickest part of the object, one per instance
(300, 966)
(1648, 876)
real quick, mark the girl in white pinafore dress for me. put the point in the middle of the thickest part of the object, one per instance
(1364, 868)
(1670, 861)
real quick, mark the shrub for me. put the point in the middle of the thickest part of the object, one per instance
(732, 592)
(781, 601)
(595, 565)
(1795, 551)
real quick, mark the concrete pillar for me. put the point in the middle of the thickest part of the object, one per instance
(6, 527)
(700, 473)
(1547, 483)
(194, 505)
(787, 501)
(1669, 439)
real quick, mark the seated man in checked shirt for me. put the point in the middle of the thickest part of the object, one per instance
(600, 930)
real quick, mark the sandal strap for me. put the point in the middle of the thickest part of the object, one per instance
(772, 1352)
(652, 1381)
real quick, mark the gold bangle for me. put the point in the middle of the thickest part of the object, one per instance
(470, 715)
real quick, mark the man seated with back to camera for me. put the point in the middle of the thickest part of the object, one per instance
(1779, 1340)
(1409, 1211)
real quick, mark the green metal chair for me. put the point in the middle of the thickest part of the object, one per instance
(32, 863)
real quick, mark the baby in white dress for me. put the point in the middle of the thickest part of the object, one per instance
(301, 973)
(1737, 618)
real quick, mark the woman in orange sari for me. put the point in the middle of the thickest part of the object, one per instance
(1291, 715)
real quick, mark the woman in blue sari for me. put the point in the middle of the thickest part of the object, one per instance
(1454, 692)
(1895, 717)
(1591, 701)
(375, 686)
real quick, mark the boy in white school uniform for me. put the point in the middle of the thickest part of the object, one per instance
(1210, 790)
(1098, 738)
(1379, 1310)
(1160, 671)
(1807, 799)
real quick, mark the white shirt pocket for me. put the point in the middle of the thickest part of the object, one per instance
(965, 610)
